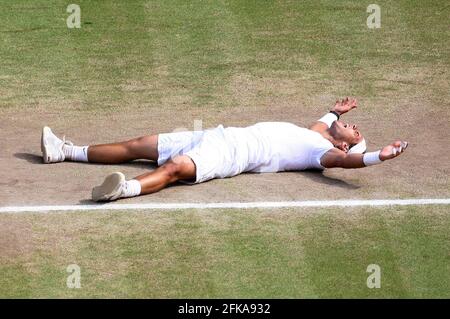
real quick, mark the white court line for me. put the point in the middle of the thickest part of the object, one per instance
(171, 206)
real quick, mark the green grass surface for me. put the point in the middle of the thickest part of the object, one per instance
(198, 53)
(230, 253)
(210, 55)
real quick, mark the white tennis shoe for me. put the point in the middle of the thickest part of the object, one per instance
(111, 189)
(52, 146)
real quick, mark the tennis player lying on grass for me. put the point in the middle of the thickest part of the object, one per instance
(198, 156)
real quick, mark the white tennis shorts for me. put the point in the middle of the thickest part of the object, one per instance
(208, 149)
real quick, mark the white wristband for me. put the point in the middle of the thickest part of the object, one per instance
(328, 119)
(372, 158)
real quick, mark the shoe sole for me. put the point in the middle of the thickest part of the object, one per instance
(44, 147)
(110, 189)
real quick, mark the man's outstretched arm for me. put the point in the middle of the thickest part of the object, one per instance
(338, 158)
(341, 107)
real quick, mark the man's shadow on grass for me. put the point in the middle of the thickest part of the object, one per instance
(314, 175)
(37, 159)
(319, 177)
(143, 164)
(30, 158)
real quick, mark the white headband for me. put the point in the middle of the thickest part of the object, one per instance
(359, 148)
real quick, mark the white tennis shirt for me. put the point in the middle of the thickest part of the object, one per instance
(274, 147)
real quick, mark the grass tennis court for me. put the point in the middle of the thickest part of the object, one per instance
(139, 66)
(280, 253)
(201, 53)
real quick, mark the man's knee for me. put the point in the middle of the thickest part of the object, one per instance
(180, 167)
(172, 170)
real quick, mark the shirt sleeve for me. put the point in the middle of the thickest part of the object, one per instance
(318, 151)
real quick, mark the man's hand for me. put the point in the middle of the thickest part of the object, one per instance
(340, 108)
(393, 150)
(345, 105)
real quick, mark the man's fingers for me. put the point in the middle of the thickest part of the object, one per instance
(396, 151)
(346, 103)
(399, 147)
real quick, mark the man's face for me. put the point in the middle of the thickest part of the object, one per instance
(348, 133)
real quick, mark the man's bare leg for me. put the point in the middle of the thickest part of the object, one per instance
(145, 147)
(115, 186)
(178, 168)
(55, 150)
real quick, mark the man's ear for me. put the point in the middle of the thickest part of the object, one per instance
(343, 146)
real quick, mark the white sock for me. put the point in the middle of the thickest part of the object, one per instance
(76, 153)
(132, 188)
